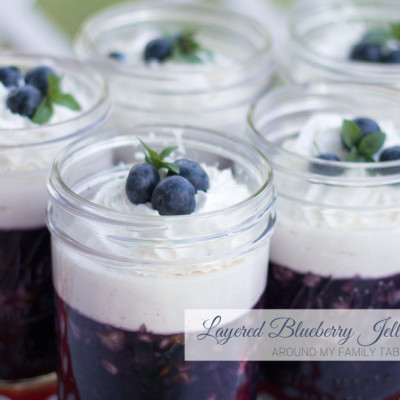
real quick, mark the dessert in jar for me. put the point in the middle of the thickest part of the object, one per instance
(135, 244)
(179, 63)
(335, 151)
(356, 40)
(45, 103)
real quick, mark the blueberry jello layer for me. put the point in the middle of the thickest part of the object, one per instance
(337, 248)
(30, 139)
(123, 287)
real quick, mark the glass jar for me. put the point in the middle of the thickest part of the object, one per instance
(123, 280)
(321, 35)
(27, 348)
(216, 92)
(336, 239)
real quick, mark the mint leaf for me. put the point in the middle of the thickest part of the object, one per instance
(54, 86)
(167, 151)
(353, 156)
(43, 113)
(370, 144)
(155, 159)
(57, 96)
(67, 100)
(152, 153)
(187, 49)
(54, 96)
(171, 167)
(351, 133)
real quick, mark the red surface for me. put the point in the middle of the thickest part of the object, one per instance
(42, 391)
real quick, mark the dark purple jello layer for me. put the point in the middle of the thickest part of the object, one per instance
(333, 380)
(100, 362)
(27, 334)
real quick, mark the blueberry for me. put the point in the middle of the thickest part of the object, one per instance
(158, 49)
(330, 170)
(390, 154)
(174, 195)
(10, 76)
(141, 181)
(367, 125)
(117, 56)
(393, 57)
(39, 77)
(193, 172)
(369, 52)
(24, 100)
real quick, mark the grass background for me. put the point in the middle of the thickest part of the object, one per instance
(69, 14)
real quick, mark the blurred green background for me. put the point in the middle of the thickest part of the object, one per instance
(69, 14)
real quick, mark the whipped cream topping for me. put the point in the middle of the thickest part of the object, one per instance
(154, 292)
(337, 41)
(113, 195)
(339, 231)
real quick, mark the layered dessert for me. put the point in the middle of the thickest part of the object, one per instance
(338, 248)
(122, 300)
(184, 62)
(39, 97)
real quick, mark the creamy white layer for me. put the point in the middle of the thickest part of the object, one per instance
(338, 231)
(24, 168)
(337, 41)
(156, 293)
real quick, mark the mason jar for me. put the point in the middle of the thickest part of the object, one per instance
(124, 277)
(27, 150)
(215, 92)
(321, 35)
(336, 241)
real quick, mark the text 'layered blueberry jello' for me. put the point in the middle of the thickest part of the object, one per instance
(178, 220)
(44, 103)
(335, 151)
(179, 63)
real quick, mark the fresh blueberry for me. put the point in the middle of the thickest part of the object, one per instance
(330, 170)
(174, 195)
(117, 56)
(390, 154)
(194, 173)
(24, 100)
(141, 181)
(393, 57)
(10, 76)
(158, 49)
(367, 125)
(368, 52)
(39, 77)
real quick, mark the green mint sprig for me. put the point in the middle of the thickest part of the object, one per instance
(187, 49)
(54, 95)
(362, 148)
(157, 159)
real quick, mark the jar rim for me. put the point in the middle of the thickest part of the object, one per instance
(360, 71)
(95, 115)
(299, 165)
(86, 50)
(60, 191)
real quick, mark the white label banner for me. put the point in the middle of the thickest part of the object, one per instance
(292, 335)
